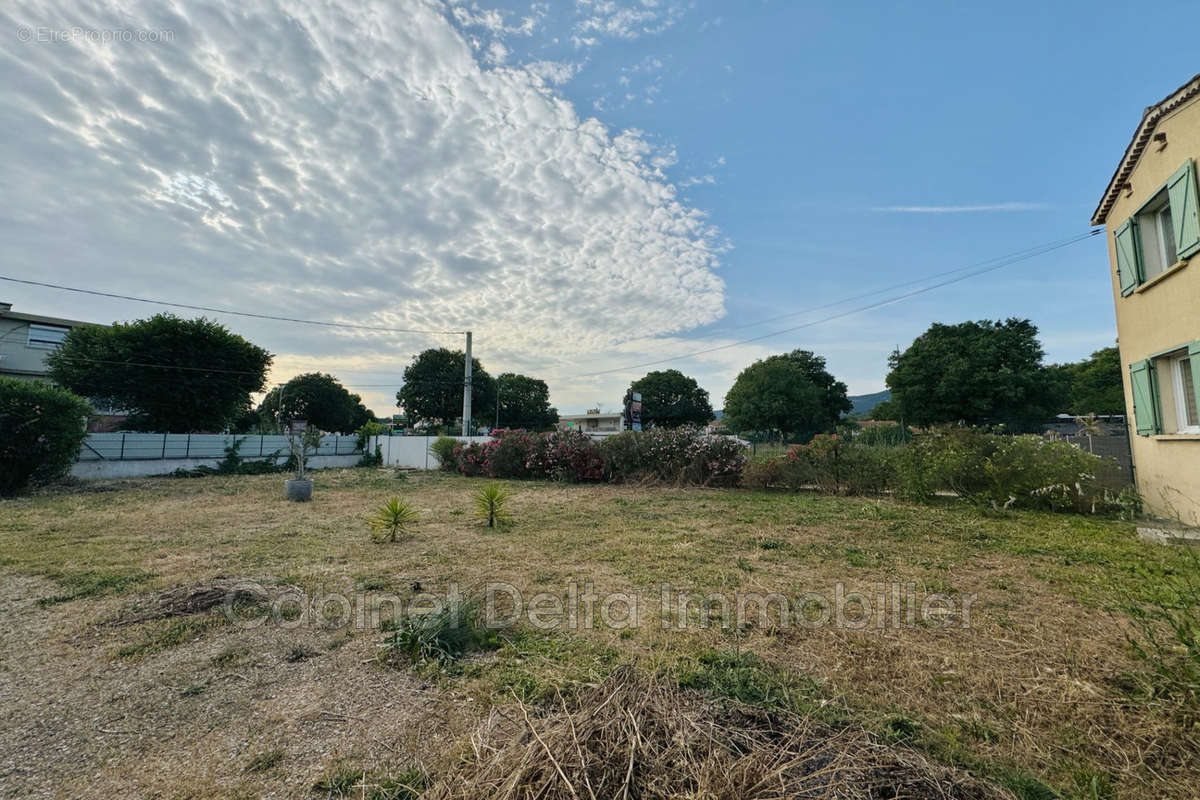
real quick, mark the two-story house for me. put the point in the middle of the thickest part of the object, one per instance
(26, 340)
(1152, 223)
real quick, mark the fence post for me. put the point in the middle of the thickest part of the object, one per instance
(164, 452)
(336, 439)
(187, 449)
(122, 456)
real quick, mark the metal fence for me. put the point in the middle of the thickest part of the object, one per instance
(160, 446)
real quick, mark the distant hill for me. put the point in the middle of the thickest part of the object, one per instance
(863, 403)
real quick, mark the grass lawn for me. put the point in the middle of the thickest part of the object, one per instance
(1040, 692)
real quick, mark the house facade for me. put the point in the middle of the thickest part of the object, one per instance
(26, 340)
(593, 423)
(1152, 224)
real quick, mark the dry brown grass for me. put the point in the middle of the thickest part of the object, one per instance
(1034, 691)
(639, 737)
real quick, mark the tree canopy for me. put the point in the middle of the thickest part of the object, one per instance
(790, 395)
(318, 399)
(671, 399)
(433, 388)
(171, 374)
(524, 403)
(1091, 386)
(974, 372)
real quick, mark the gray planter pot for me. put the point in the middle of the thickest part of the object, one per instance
(299, 490)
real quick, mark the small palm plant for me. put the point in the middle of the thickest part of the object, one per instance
(391, 519)
(1089, 426)
(490, 502)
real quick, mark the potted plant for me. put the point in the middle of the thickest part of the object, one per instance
(301, 438)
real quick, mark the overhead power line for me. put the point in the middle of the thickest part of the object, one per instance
(1023, 255)
(298, 320)
(1029, 251)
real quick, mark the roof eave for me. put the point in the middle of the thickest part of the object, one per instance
(1141, 137)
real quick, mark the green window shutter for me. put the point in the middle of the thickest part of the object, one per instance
(1129, 261)
(1144, 379)
(1185, 216)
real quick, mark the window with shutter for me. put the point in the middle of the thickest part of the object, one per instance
(1191, 389)
(1128, 257)
(1185, 216)
(1144, 380)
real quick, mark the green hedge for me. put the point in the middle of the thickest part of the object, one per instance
(42, 427)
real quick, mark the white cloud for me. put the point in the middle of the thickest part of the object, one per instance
(341, 163)
(496, 20)
(496, 53)
(553, 72)
(963, 209)
(616, 20)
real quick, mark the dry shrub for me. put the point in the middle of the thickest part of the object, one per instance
(639, 737)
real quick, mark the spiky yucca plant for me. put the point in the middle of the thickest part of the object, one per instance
(490, 502)
(391, 519)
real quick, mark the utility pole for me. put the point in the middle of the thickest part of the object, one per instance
(466, 429)
(497, 401)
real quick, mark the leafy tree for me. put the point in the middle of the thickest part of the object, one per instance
(172, 374)
(318, 399)
(44, 426)
(1091, 386)
(433, 388)
(834, 401)
(790, 395)
(887, 410)
(671, 399)
(974, 372)
(524, 403)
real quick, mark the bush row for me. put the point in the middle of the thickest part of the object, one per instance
(1025, 472)
(678, 456)
(996, 471)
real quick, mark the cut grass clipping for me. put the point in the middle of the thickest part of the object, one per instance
(636, 736)
(491, 505)
(393, 518)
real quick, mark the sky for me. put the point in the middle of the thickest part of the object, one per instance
(595, 188)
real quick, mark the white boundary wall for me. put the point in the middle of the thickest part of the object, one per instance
(412, 452)
(89, 470)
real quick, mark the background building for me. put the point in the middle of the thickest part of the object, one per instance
(26, 340)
